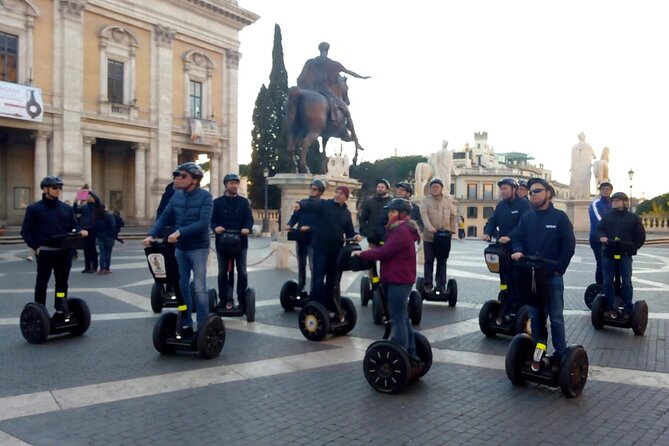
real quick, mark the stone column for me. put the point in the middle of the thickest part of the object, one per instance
(102, 89)
(215, 181)
(88, 165)
(40, 167)
(140, 181)
(163, 86)
(176, 151)
(229, 111)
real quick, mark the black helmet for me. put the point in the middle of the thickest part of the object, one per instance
(620, 196)
(383, 181)
(436, 180)
(510, 181)
(318, 184)
(543, 182)
(605, 183)
(50, 181)
(193, 169)
(406, 186)
(399, 204)
(522, 183)
(231, 177)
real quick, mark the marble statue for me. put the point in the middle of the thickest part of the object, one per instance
(439, 164)
(600, 168)
(581, 162)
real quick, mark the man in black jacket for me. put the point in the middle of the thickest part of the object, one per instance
(232, 212)
(626, 230)
(333, 222)
(507, 213)
(167, 194)
(44, 220)
(371, 213)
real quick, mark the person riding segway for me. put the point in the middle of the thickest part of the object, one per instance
(597, 209)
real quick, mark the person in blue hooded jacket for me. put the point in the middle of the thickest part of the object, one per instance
(189, 211)
(596, 211)
(547, 232)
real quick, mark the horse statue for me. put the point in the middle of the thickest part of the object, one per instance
(600, 168)
(309, 114)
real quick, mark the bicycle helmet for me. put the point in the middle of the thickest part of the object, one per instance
(193, 169)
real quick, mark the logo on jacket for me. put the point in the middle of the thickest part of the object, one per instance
(551, 226)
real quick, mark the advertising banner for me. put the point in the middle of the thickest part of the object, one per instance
(21, 102)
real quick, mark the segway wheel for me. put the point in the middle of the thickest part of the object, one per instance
(377, 307)
(157, 298)
(365, 290)
(424, 351)
(639, 317)
(519, 353)
(250, 305)
(288, 294)
(165, 326)
(351, 317)
(597, 312)
(593, 290)
(212, 297)
(523, 324)
(35, 323)
(387, 367)
(415, 307)
(487, 317)
(574, 371)
(452, 290)
(82, 313)
(420, 287)
(314, 321)
(211, 337)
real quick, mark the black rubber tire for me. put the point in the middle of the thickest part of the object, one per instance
(211, 337)
(592, 291)
(639, 317)
(365, 290)
(420, 287)
(82, 313)
(314, 321)
(452, 290)
(250, 309)
(212, 298)
(165, 326)
(520, 351)
(387, 367)
(288, 295)
(522, 322)
(597, 312)
(574, 371)
(351, 317)
(157, 298)
(377, 307)
(487, 317)
(424, 351)
(415, 308)
(35, 323)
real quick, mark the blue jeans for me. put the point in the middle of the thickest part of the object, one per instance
(555, 309)
(105, 244)
(428, 251)
(194, 260)
(609, 269)
(224, 276)
(596, 246)
(397, 296)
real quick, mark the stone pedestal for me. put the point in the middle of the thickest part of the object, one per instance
(577, 211)
(295, 187)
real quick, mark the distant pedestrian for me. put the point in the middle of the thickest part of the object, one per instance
(105, 230)
(461, 228)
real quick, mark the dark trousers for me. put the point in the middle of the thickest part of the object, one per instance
(596, 246)
(428, 251)
(225, 276)
(60, 263)
(90, 252)
(304, 255)
(325, 278)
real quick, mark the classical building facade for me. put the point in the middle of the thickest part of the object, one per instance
(116, 93)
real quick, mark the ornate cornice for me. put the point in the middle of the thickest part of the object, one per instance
(232, 57)
(227, 10)
(164, 35)
(72, 8)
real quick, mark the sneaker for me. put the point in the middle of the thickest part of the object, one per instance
(61, 307)
(187, 331)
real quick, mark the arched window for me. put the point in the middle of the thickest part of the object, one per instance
(118, 52)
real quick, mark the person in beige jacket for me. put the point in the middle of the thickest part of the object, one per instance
(439, 213)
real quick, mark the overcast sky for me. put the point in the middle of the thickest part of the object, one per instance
(532, 74)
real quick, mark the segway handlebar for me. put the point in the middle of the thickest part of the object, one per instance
(539, 259)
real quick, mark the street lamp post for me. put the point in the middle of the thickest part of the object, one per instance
(265, 218)
(631, 174)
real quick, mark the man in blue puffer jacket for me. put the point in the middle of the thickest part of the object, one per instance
(546, 232)
(189, 211)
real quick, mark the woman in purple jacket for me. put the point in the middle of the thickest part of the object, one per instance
(398, 269)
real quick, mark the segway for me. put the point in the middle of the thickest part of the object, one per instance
(387, 366)
(503, 315)
(289, 296)
(230, 243)
(168, 335)
(526, 360)
(36, 323)
(637, 321)
(442, 248)
(315, 320)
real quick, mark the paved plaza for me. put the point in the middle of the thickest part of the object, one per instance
(270, 386)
